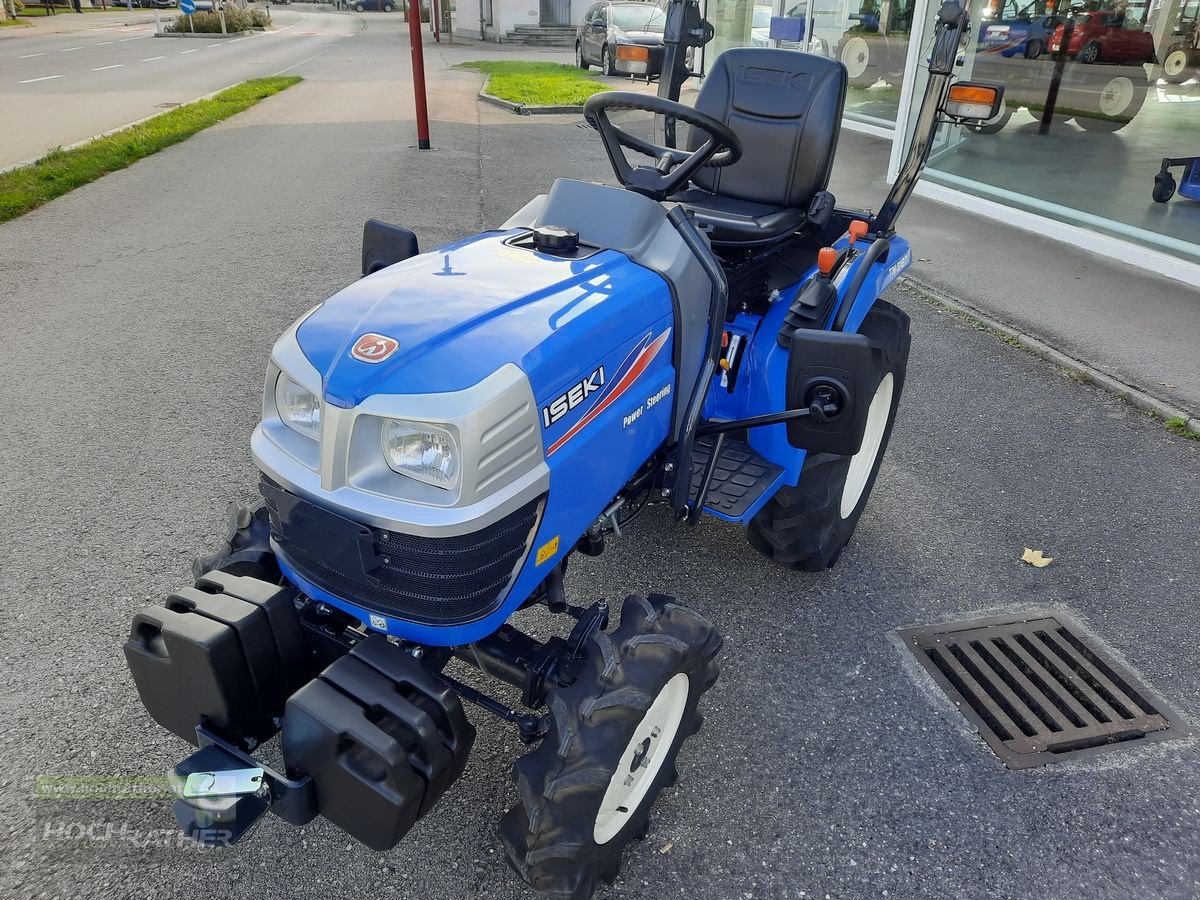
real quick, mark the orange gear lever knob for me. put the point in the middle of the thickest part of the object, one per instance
(857, 229)
(826, 260)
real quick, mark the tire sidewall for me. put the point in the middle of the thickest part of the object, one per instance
(616, 736)
(802, 526)
(549, 836)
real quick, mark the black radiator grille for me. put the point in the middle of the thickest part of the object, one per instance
(433, 581)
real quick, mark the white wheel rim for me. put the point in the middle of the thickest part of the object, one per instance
(862, 462)
(1175, 62)
(642, 760)
(1116, 96)
(855, 56)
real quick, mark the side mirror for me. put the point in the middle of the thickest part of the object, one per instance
(384, 244)
(973, 102)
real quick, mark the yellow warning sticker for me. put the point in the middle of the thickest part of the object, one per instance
(547, 550)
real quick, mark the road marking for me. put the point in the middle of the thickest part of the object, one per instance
(127, 40)
(193, 50)
(153, 58)
(104, 43)
(43, 78)
(70, 49)
(105, 68)
(30, 55)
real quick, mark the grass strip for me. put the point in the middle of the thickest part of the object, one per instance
(536, 83)
(61, 171)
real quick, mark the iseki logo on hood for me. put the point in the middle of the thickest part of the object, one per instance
(572, 397)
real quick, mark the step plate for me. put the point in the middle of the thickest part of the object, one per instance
(741, 477)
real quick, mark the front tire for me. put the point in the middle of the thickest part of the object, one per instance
(586, 791)
(806, 527)
(580, 62)
(606, 62)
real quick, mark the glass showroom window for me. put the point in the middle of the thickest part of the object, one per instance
(869, 36)
(1097, 94)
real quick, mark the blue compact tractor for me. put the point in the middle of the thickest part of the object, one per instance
(708, 335)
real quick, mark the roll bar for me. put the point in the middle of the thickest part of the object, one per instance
(952, 23)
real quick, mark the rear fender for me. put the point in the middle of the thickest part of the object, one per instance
(762, 376)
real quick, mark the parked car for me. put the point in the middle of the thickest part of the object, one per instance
(1017, 32)
(373, 5)
(609, 25)
(1110, 37)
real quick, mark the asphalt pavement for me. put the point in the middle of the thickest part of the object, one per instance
(827, 767)
(62, 88)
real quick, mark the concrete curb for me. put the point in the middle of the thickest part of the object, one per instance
(1134, 396)
(129, 125)
(523, 110)
(188, 34)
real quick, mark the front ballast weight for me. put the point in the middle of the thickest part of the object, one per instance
(372, 730)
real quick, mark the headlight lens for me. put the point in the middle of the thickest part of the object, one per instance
(424, 452)
(298, 408)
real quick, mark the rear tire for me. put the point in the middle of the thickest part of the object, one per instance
(806, 527)
(1120, 98)
(1175, 64)
(586, 791)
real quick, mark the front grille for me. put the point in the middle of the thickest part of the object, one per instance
(433, 581)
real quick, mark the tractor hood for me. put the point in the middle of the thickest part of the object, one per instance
(461, 312)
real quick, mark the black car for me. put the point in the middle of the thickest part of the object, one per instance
(608, 26)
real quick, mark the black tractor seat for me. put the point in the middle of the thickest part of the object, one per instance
(786, 107)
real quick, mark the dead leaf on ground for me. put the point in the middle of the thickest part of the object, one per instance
(1036, 558)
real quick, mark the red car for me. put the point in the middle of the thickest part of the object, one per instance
(1106, 37)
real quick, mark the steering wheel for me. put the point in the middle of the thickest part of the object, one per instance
(672, 168)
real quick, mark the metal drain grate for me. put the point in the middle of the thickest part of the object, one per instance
(1039, 689)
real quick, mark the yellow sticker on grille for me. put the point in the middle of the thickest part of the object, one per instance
(547, 550)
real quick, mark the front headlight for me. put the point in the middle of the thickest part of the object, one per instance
(299, 409)
(424, 452)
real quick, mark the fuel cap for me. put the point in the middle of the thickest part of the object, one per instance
(555, 239)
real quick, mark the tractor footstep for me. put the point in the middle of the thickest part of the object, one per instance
(740, 479)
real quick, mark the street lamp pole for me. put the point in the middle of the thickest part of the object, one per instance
(418, 67)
